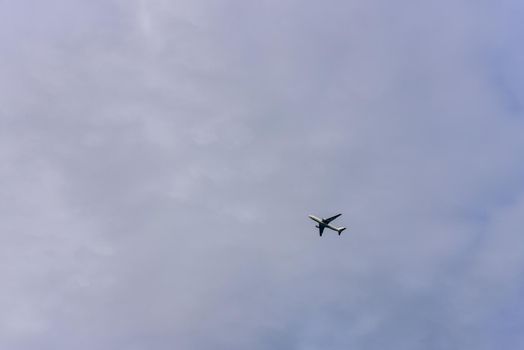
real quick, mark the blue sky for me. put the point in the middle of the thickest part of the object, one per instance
(159, 160)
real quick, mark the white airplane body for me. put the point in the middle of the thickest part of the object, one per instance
(323, 223)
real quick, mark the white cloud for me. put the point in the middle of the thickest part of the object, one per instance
(159, 160)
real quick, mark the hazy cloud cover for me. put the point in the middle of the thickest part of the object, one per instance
(159, 160)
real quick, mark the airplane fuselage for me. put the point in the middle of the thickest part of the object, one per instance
(322, 223)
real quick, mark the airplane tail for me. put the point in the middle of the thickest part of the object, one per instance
(339, 230)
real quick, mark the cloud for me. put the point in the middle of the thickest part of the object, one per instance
(160, 159)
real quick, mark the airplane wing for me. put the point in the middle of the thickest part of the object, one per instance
(321, 229)
(328, 220)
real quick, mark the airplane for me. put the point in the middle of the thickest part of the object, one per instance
(323, 223)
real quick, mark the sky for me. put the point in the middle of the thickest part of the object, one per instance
(158, 160)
